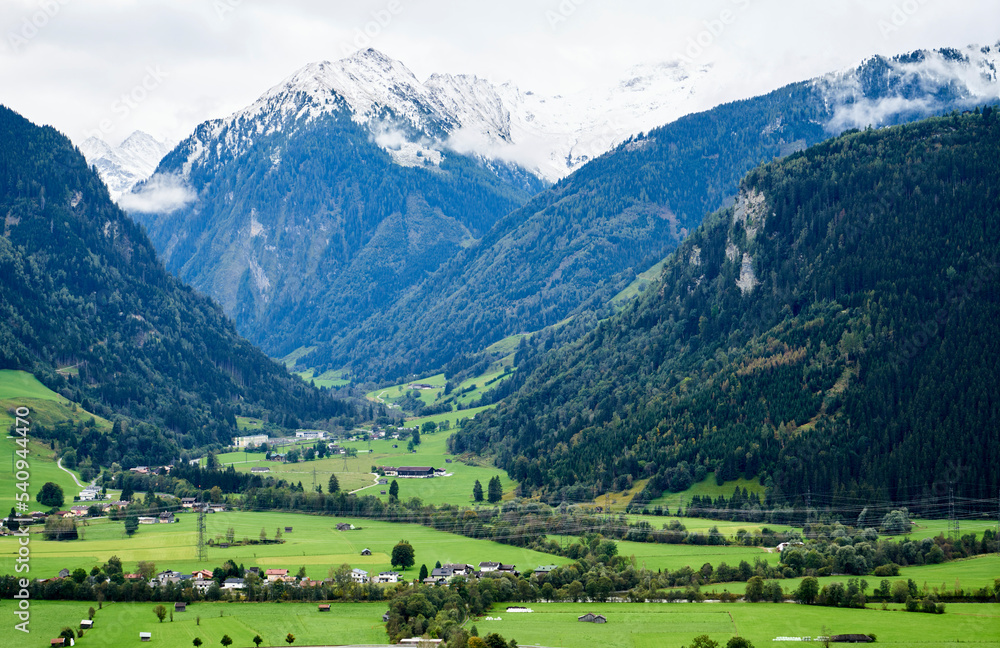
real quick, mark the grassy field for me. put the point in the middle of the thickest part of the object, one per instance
(702, 525)
(119, 624)
(327, 380)
(933, 528)
(706, 487)
(21, 389)
(639, 284)
(454, 489)
(314, 543)
(355, 472)
(652, 625)
(398, 392)
(453, 418)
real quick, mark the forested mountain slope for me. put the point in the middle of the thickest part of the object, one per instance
(836, 331)
(314, 209)
(82, 289)
(576, 245)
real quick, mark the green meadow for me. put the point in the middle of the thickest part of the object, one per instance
(21, 389)
(355, 472)
(314, 543)
(119, 624)
(705, 487)
(653, 625)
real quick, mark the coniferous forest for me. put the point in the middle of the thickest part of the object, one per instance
(834, 332)
(82, 288)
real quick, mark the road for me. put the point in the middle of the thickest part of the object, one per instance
(78, 482)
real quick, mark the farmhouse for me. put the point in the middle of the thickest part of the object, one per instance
(188, 502)
(544, 569)
(89, 494)
(487, 566)
(415, 472)
(459, 569)
(167, 517)
(590, 617)
(201, 573)
(233, 584)
(390, 471)
(273, 575)
(442, 573)
(258, 470)
(359, 576)
(388, 577)
(310, 434)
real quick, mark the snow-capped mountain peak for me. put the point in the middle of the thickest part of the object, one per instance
(127, 164)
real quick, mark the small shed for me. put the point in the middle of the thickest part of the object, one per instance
(145, 636)
(385, 618)
(288, 529)
(590, 617)
(851, 638)
(382, 492)
(324, 607)
(366, 552)
(86, 624)
(180, 606)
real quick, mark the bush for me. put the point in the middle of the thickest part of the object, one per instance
(892, 569)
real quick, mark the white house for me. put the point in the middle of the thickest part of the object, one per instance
(310, 434)
(359, 576)
(233, 584)
(388, 577)
(487, 566)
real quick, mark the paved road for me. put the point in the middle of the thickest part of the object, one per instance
(78, 483)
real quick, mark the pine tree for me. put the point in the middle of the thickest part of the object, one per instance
(477, 492)
(334, 485)
(495, 490)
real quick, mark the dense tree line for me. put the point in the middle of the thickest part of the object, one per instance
(856, 368)
(83, 288)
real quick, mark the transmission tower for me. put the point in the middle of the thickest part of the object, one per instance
(952, 520)
(202, 549)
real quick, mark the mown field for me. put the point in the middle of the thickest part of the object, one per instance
(313, 543)
(654, 625)
(119, 624)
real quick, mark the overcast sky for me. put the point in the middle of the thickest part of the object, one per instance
(68, 62)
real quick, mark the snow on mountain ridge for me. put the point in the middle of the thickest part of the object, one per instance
(127, 164)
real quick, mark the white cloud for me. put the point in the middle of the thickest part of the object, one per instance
(88, 54)
(163, 193)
